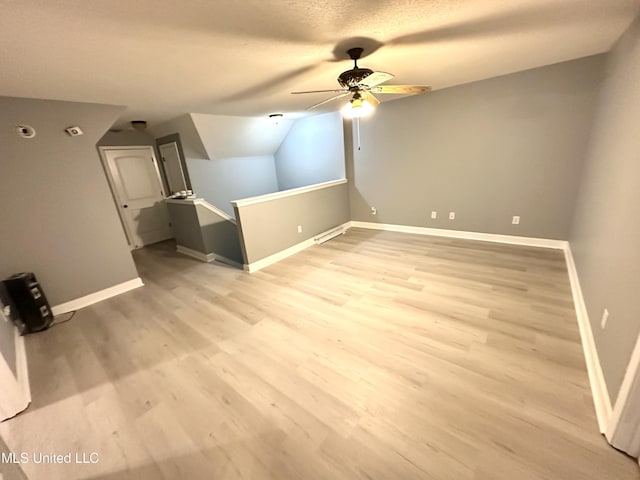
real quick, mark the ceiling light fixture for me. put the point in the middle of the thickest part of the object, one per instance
(275, 118)
(357, 107)
(139, 124)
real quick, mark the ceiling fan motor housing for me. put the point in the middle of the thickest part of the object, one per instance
(354, 77)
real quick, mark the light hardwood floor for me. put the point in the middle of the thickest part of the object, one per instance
(373, 356)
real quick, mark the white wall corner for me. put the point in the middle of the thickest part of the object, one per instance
(96, 297)
(601, 400)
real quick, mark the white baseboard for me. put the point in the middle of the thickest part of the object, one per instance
(599, 391)
(329, 234)
(97, 296)
(485, 237)
(203, 257)
(206, 257)
(276, 257)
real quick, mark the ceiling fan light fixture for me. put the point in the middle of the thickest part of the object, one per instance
(357, 108)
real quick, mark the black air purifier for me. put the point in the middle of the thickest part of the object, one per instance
(30, 302)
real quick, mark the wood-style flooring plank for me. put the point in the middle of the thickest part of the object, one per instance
(373, 356)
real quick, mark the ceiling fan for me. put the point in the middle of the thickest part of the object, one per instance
(361, 84)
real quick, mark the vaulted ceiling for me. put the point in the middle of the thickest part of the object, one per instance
(163, 58)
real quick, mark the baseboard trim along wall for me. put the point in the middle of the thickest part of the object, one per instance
(281, 255)
(276, 257)
(21, 366)
(206, 257)
(96, 297)
(485, 237)
(599, 391)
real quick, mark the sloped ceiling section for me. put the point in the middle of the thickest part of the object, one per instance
(230, 137)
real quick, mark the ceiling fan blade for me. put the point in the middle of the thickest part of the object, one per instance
(334, 90)
(368, 96)
(343, 94)
(401, 89)
(376, 78)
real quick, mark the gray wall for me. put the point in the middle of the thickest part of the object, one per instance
(312, 152)
(219, 235)
(605, 238)
(219, 181)
(271, 226)
(200, 229)
(511, 145)
(186, 226)
(223, 180)
(126, 138)
(58, 214)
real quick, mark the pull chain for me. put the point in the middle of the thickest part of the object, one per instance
(358, 130)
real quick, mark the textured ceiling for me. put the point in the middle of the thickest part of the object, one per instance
(163, 58)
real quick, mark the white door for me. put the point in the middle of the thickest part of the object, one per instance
(173, 167)
(623, 431)
(135, 181)
(14, 380)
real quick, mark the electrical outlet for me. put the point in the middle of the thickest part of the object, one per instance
(374, 211)
(605, 317)
(452, 215)
(299, 228)
(515, 220)
(434, 215)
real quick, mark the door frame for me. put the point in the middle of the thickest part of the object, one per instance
(164, 164)
(623, 430)
(114, 191)
(175, 138)
(15, 394)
